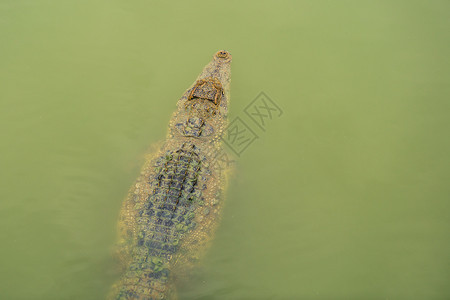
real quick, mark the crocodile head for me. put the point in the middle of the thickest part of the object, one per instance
(202, 110)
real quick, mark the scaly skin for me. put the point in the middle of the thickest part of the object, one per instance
(170, 214)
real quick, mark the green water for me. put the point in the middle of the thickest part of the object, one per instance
(344, 196)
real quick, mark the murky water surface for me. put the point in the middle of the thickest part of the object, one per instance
(341, 194)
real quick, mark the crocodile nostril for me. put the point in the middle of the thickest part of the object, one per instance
(223, 54)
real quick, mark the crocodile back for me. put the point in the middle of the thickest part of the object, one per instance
(162, 220)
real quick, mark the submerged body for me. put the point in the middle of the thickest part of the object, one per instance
(170, 214)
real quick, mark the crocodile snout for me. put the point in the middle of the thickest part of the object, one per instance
(223, 55)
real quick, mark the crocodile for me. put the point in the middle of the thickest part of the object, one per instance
(168, 219)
